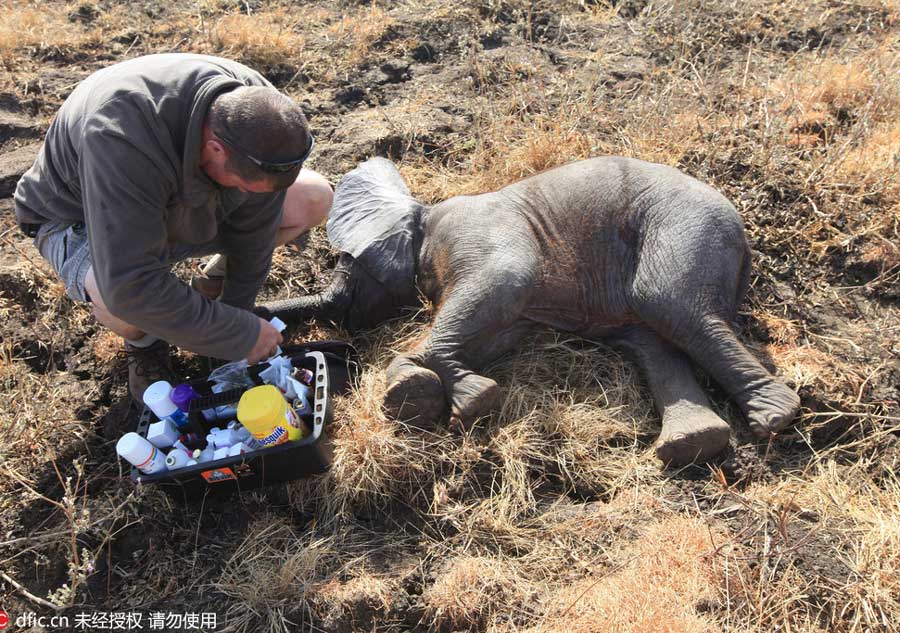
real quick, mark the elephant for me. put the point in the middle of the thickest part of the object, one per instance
(636, 254)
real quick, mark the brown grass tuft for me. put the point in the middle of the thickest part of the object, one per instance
(106, 346)
(657, 587)
(806, 366)
(261, 38)
(341, 598)
(875, 159)
(862, 523)
(358, 32)
(33, 25)
(569, 406)
(779, 329)
(882, 253)
(375, 459)
(273, 574)
(469, 589)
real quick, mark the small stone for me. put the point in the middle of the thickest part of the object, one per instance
(14, 125)
(15, 163)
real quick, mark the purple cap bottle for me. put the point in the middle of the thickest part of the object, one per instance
(182, 396)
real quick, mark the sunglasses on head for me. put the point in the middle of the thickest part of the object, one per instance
(268, 166)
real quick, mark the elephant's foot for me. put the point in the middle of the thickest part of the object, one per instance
(415, 394)
(691, 433)
(769, 408)
(473, 396)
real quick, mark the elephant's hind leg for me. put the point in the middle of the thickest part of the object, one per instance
(691, 431)
(687, 287)
(768, 404)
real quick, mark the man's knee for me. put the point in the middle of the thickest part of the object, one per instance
(102, 313)
(307, 201)
(108, 320)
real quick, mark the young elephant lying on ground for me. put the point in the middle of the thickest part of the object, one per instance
(636, 254)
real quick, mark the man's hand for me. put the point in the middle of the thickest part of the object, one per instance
(269, 338)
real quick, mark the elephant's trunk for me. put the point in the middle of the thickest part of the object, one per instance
(329, 305)
(293, 310)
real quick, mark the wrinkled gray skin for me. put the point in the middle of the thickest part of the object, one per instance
(638, 255)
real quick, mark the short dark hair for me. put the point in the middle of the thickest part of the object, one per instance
(265, 124)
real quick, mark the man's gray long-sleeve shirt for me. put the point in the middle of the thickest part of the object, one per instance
(122, 156)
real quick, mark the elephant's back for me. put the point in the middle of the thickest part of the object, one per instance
(606, 184)
(611, 204)
(594, 218)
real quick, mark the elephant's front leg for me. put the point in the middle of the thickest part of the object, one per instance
(415, 393)
(471, 329)
(422, 382)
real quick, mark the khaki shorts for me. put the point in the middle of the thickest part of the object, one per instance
(67, 249)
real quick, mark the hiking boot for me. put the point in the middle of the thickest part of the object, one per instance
(210, 280)
(146, 365)
(209, 287)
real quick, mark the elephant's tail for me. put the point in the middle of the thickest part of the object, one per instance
(743, 282)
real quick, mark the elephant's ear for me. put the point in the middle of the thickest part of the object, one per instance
(374, 218)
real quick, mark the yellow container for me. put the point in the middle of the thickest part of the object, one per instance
(268, 417)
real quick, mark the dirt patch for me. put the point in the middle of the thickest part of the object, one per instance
(16, 126)
(14, 163)
(392, 130)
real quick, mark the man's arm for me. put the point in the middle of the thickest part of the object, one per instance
(249, 238)
(125, 190)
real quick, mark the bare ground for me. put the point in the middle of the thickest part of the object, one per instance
(552, 515)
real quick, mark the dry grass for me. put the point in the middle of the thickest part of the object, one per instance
(848, 108)
(357, 33)
(657, 587)
(29, 25)
(319, 41)
(373, 457)
(261, 38)
(342, 599)
(273, 573)
(877, 155)
(505, 148)
(850, 520)
(568, 406)
(806, 366)
(470, 589)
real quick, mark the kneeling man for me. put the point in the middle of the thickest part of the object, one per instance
(162, 158)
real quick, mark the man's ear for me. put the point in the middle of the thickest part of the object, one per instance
(218, 149)
(213, 152)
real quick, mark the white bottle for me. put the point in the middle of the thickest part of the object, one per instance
(206, 455)
(279, 325)
(140, 453)
(243, 434)
(222, 438)
(301, 406)
(157, 397)
(177, 458)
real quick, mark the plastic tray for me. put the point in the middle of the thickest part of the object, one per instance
(334, 366)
